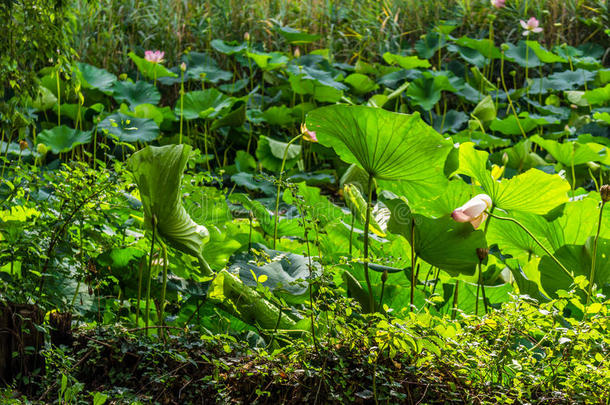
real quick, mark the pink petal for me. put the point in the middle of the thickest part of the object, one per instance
(526, 32)
(537, 29)
(532, 22)
(478, 220)
(458, 215)
(523, 24)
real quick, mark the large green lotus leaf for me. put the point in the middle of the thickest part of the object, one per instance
(386, 145)
(95, 78)
(431, 42)
(578, 222)
(136, 93)
(203, 104)
(44, 99)
(522, 56)
(485, 111)
(442, 242)
(544, 55)
(281, 115)
(295, 36)
(129, 129)
(568, 153)
(577, 259)
(312, 75)
(405, 62)
(233, 118)
(522, 157)
(268, 61)
(470, 55)
(453, 194)
(513, 240)
(534, 191)
(150, 70)
(484, 46)
(598, 96)
(361, 84)
(287, 273)
(473, 163)
(426, 91)
(63, 139)
(161, 115)
(200, 63)
(228, 48)
(510, 126)
(321, 92)
(158, 174)
(452, 121)
(271, 153)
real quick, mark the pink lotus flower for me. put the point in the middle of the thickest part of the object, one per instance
(498, 3)
(154, 56)
(473, 211)
(532, 25)
(308, 135)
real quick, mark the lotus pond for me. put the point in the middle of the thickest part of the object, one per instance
(254, 225)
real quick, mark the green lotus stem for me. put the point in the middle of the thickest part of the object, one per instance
(163, 289)
(140, 269)
(351, 232)
(413, 260)
(150, 260)
(366, 243)
(181, 103)
(552, 256)
(58, 99)
(481, 287)
(594, 255)
(279, 189)
(510, 102)
(455, 299)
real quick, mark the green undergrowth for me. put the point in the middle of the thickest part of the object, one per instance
(520, 353)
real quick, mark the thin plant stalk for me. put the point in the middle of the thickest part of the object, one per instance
(150, 265)
(594, 253)
(366, 243)
(279, 189)
(455, 299)
(181, 104)
(552, 256)
(164, 288)
(140, 270)
(413, 261)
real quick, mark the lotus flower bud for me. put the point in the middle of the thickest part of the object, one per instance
(504, 47)
(605, 192)
(23, 145)
(473, 211)
(183, 67)
(247, 36)
(384, 276)
(41, 149)
(297, 52)
(308, 135)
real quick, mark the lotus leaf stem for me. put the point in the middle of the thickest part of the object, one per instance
(279, 189)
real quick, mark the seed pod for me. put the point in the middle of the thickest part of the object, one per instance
(605, 192)
(482, 253)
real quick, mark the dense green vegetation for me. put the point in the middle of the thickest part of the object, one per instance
(305, 202)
